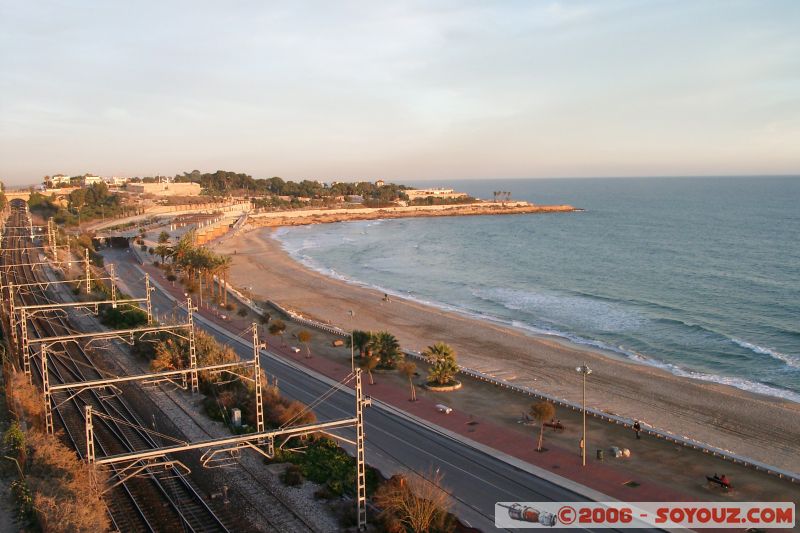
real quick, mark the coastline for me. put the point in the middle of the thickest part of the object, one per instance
(761, 427)
(301, 217)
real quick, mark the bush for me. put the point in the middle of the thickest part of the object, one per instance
(123, 317)
(326, 463)
(242, 312)
(292, 476)
(14, 439)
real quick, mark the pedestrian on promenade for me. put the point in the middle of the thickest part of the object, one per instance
(580, 450)
(637, 427)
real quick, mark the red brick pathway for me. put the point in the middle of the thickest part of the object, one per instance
(602, 477)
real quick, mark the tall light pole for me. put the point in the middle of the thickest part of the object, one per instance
(585, 370)
(352, 346)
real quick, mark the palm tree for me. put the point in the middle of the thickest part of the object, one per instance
(369, 363)
(443, 363)
(163, 251)
(361, 340)
(408, 369)
(163, 237)
(387, 348)
(542, 412)
(223, 269)
(304, 336)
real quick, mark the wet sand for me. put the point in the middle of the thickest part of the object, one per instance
(760, 427)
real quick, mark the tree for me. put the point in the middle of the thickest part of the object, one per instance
(304, 336)
(542, 412)
(163, 251)
(171, 278)
(409, 369)
(443, 363)
(277, 328)
(368, 363)
(163, 237)
(417, 503)
(386, 348)
(361, 340)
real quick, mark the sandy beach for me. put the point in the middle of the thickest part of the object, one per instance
(760, 427)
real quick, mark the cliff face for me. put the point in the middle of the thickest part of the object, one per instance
(323, 216)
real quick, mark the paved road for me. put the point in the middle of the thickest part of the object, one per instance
(395, 443)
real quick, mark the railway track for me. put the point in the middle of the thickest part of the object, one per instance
(161, 499)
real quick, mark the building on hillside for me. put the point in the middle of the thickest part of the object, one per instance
(413, 194)
(86, 181)
(116, 181)
(165, 189)
(380, 183)
(57, 181)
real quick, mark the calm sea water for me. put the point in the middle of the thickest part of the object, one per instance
(700, 276)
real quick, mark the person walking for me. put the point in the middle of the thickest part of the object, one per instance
(637, 427)
(580, 450)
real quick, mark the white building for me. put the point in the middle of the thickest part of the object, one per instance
(413, 194)
(165, 189)
(57, 181)
(90, 180)
(116, 181)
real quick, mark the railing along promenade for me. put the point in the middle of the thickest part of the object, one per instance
(533, 393)
(561, 402)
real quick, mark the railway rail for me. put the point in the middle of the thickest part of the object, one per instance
(162, 499)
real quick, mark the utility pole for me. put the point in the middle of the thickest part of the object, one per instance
(113, 286)
(88, 272)
(147, 291)
(12, 315)
(192, 349)
(48, 408)
(257, 347)
(361, 473)
(585, 370)
(89, 435)
(26, 357)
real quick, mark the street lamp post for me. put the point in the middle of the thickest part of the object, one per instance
(585, 370)
(352, 347)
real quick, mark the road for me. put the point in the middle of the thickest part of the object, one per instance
(394, 443)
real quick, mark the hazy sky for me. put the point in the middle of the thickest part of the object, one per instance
(461, 89)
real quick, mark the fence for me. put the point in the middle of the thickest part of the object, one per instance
(596, 413)
(561, 402)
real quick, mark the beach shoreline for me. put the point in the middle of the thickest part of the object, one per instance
(761, 427)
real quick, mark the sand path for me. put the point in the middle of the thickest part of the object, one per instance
(756, 426)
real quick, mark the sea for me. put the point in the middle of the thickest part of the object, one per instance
(699, 276)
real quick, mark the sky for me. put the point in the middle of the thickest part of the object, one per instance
(415, 90)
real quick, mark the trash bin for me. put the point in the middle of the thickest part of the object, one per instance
(599, 455)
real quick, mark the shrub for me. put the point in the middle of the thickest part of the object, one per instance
(292, 476)
(123, 317)
(242, 312)
(418, 502)
(14, 439)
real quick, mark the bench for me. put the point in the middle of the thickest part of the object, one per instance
(555, 425)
